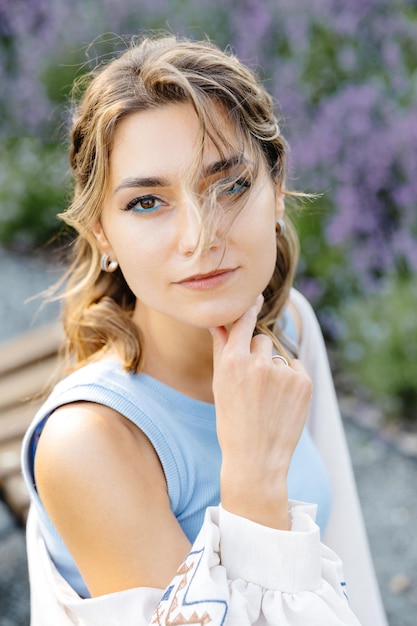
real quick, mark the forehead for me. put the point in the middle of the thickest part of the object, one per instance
(169, 139)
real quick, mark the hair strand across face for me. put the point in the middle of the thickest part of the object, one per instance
(153, 73)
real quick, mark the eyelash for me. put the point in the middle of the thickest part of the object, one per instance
(136, 201)
(242, 185)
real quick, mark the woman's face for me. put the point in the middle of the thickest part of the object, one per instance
(149, 221)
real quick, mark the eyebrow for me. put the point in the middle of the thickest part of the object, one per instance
(147, 181)
(224, 164)
(157, 181)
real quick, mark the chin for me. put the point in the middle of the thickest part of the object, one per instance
(223, 316)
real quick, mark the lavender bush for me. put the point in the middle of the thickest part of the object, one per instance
(344, 75)
(379, 348)
(33, 181)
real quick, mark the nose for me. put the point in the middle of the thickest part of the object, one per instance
(193, 237)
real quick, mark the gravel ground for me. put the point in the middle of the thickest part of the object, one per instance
(387, 480)
(21, 280)
(386, 475)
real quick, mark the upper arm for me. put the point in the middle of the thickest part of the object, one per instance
(102, 484)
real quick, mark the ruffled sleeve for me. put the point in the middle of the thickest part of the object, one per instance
(237, 573)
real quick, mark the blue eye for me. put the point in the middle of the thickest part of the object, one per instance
(144, 204)
(239, 186)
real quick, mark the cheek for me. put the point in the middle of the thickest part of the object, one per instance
(133, 245)
(261, 245)
(138, 262)
(269, 255)
(137, 255)
(142, 280)
(256, 230)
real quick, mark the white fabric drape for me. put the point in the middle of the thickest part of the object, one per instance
(237, 573)
(345, 533)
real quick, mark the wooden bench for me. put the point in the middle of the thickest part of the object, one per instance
(27, 365)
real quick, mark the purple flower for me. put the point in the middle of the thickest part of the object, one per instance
(343, 74)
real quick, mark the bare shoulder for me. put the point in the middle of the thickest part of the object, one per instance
(79, 436)
(104, 489)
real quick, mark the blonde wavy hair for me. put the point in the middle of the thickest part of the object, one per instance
(151, 73)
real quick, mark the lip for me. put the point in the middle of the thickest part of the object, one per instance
(208, 280)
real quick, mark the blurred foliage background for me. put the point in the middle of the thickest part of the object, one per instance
(344, 75)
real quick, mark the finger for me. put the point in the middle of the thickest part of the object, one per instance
(304, 380)
(280, 360)
(297, 366)
(262, 344)
(220, 336)
(241, 333)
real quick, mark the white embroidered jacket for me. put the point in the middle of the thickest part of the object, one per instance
(239, 573)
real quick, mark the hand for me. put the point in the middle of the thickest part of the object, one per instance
(261, 408)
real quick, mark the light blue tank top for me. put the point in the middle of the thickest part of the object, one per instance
(189, 453)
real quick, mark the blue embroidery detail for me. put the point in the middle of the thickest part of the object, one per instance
(167, 593)
(343, 584)
(213, 600)
(176, 597)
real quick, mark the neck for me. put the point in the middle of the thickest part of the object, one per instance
(178, 355)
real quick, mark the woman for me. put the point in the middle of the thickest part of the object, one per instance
(186, 390)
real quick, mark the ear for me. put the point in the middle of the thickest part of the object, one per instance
(279, 203)
(101, 238)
